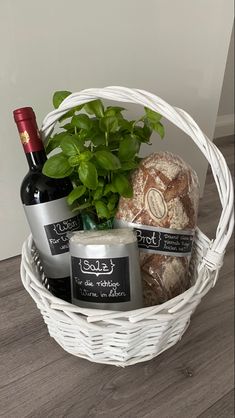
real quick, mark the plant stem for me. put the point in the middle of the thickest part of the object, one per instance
(106, 139)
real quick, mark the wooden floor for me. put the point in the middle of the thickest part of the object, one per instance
(192, 379)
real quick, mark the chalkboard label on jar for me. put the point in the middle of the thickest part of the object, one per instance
(105, 280)
(57, 234)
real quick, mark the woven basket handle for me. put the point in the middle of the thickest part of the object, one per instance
(214, 256)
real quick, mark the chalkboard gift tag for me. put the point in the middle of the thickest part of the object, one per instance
(105, 271)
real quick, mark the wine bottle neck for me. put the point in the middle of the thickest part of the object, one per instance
(36, 160)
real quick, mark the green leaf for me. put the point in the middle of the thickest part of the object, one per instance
(71, 145)
(122, 185)
(54, 142)
(143, 132)
(159, 128)
(109, 188)
(152, 116)
(152, 120)
(129, 165)
(75, 194)
(70, 113)
(74, 160)
(88, 175)
(147, 132)
(67, 115)
(57, 166)
(59, 96)
(129, 146)
(81, 121)
(107, 160)
(83, 135)
(113, 111)
(84, 206)
(126, 125)
(68, 127)
(109, 124)
(112, 202)
(98, 193)
(95, 108)
(86, 155)
(101, 209)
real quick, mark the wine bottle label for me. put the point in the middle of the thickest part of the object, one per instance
(57, 234)
(105, 280)
(50, 223)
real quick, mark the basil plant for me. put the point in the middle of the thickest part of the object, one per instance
(98, 150)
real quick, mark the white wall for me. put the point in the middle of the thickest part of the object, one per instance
(225, 118)
(176, 49)
(226, 104)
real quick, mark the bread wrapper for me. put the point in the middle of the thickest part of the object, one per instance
(163, 211)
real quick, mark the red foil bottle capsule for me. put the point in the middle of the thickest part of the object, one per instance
(27, 126)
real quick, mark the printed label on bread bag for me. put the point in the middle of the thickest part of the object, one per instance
(57, 234)
(104, 280)
(163, 241)
(155, 204)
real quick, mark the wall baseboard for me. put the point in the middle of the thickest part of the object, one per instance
(224, 126)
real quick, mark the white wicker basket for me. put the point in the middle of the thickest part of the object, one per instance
(125, 338)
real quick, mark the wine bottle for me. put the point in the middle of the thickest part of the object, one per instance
(47, 212)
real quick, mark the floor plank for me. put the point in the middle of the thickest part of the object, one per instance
(224, 407)
(192, 379)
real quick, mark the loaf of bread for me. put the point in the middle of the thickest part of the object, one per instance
(163, 210)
